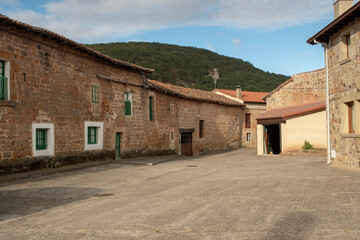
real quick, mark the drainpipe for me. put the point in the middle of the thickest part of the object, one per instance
(325, 46)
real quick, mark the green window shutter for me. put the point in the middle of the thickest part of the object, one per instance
(41, 139)
(151, 108)
(3, 82)
(127, 108)
(92, 138)
(95, 94)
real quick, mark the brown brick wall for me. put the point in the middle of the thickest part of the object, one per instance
(304, 88)
(52, 83)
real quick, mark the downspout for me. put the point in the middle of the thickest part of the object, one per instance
(325, 46)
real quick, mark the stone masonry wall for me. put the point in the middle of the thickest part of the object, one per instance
(52, 83)
(255, 110)
(305, 87)
(344, 86)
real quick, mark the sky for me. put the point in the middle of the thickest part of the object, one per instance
(270, 34)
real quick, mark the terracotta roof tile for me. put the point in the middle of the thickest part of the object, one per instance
(293, 111)
(255, 97)
(79, 46)
(192, 94)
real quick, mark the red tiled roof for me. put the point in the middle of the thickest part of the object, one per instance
(65, 41)
(292, 111)
(339, 23)
(192, 94)
(255, 97)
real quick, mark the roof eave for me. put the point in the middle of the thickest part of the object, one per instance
(323, 35)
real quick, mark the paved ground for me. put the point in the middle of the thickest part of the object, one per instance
(233, 195)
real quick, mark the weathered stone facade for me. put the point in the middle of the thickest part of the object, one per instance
(341, 39)
(54, 82)
(255, 110)
(344, 85)
(301, 88)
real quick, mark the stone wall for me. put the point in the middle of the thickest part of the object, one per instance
(301, 88)
(51, 83)
(344, 87)
(255, 110)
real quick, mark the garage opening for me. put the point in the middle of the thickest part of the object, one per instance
(272, 139)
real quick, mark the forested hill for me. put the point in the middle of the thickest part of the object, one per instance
(192, 67)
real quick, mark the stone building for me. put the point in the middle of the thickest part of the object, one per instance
(63, 103)
(255, 105)
(341, 40)
(295, 113)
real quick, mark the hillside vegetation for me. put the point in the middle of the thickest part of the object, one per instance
(192, 67)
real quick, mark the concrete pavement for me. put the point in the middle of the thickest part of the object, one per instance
(232, 195)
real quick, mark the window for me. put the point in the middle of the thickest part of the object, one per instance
(127, 101)
(247, 120)
(92, 139)
(3, 82)
(248, 137)
(201, 128)
(351, 116)
(95, 94)
(347, 43)
(151, 110)
(43, 139)
(94, 134)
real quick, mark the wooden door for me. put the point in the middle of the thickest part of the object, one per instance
(117, 145)
(186, 144)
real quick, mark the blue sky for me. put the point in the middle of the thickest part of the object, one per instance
(271, 34)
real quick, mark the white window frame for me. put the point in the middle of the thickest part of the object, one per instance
(99, 135)
(248, 137)
(50, 150)
(130, 99)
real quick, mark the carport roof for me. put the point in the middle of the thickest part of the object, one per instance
(279, 115)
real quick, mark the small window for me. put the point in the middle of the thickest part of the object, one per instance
(351, 116)
(41, 139)
(92, 135)
(127, 101)
(95, 94)
(348, 43)
(3, 82)
(151, 108)
(201, 128)
(247, 120)
(248, 137)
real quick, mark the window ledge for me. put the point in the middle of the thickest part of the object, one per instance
(350, 135)
(6, 103)
(346, 60)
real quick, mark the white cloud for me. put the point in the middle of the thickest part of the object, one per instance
(210, 47)
(236, 43)
(98, 20)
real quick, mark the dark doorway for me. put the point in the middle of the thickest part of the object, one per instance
(186, 144)
(117, 146)
(272, 139)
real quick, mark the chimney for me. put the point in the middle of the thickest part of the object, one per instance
(238, 92)
(341, 6)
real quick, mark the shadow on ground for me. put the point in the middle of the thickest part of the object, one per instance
(22, 202)
(294, 226)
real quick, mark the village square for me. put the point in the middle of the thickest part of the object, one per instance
(92, 148)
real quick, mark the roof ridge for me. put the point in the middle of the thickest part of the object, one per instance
(82, 47)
